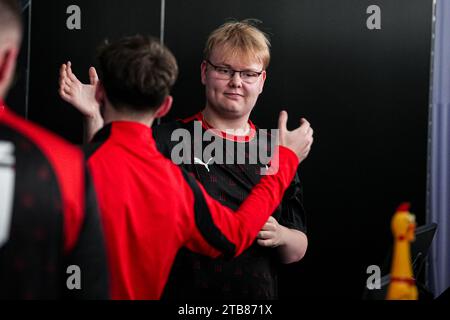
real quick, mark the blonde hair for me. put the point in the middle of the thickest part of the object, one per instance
(240, 39)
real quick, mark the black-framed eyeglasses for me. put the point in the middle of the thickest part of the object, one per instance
(226, 73)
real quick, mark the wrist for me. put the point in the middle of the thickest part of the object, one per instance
(94, 118)
(283, 231)
(93, 113)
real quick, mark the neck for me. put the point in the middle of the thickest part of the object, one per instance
(239, 125)
(111, 114)
(401, 262)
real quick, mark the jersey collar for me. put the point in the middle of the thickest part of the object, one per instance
(223, 134)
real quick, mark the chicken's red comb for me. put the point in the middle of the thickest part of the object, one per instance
(404, 206)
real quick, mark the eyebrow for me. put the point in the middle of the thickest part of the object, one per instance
(231, 67)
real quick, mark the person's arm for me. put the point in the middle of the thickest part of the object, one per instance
(89, 252)
(290, 243)
(294, 249)
(82, 97)
(92, 124)
(232, 232)
(288, 235)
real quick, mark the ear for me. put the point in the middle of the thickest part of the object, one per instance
(100, 93)
(203, 71)
(164, 108)
(263, 80)
(7, 64)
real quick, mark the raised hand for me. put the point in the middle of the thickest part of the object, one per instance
(298, 140)
(80, 95)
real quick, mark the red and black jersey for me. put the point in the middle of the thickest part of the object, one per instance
(48, 216)
(254, 274)
(150, 208)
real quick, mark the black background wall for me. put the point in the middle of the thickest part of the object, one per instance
(17, 96)
(365, 93)
(53, 43)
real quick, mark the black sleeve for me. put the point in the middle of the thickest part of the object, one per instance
(209, 231)
(293, 214)
(89, 252)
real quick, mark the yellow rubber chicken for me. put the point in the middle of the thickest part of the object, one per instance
(402, 285)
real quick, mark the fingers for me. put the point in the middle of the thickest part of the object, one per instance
(62, 70)
(298, 140)
(265, 235)
(63, 93)
(64, 83)
(65, 88)
(64, 77)
(304, 121)
(309, 132)
(69, 68)
(63, 73)
(269, 226)
(282, 121)
(70, 74)
(266, 243)
(305, 125)
(308, 147)
(93, 77)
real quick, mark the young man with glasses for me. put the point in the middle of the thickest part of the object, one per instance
(233, 72)
(150, 208)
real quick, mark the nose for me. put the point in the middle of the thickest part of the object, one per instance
(235, 80)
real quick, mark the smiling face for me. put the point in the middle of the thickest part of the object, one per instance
(231, 98)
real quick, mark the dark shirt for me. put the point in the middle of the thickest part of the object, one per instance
(252, 275)
(48, 219)
(150, 208)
